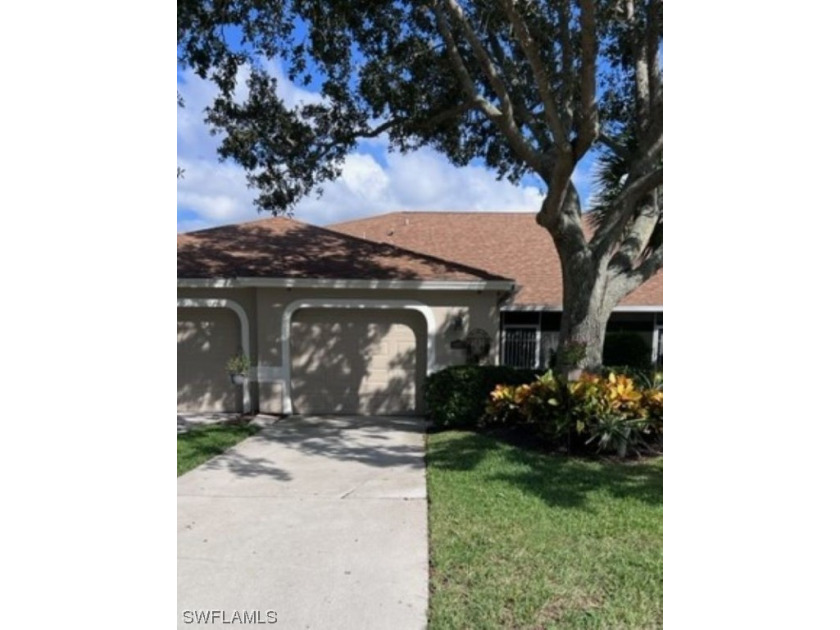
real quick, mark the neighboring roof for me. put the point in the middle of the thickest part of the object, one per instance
(507, 243)
(285, 248)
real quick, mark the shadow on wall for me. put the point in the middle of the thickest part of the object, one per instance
(207, 338)
(401, 392)
(348, 361)
(465, 342)
(204, 393)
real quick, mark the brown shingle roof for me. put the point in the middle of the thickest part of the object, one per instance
(507, 243)
(285, 248)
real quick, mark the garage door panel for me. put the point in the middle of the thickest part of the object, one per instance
(377, 375)
(207, 338)
(405, 349)
(349, 361)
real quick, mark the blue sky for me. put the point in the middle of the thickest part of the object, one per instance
(374, 181)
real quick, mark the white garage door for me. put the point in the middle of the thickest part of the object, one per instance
(207, 338)
(358, 361)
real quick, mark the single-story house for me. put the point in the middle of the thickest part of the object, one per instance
(513, 245)
(331, 323)
(351, 318)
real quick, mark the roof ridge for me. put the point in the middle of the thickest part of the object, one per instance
(394, 213)
(427, 256)
(523, 212)
(241, 223)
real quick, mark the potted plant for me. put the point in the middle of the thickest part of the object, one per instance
(238, 367)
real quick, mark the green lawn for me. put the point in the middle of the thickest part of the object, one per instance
(521, 539)
(202, 443)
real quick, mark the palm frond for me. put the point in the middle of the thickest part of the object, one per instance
(610, 174)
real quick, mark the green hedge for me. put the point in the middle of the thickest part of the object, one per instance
(626, 349)
(457, 396)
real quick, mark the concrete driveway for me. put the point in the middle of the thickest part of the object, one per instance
(316, 522)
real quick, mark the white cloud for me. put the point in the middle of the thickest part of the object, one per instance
(423, 180)
(213, 193)
(288, 91)
(216, 192)
(363, 176)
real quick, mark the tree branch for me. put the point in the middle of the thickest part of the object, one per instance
(652, 25)
(587, 120)
(440, 117)
(638, 237)
(464, 77)
(622, 209)
(612, 144)
(566, 66)
(560, 213)
(490, 70)
(503, 119)
(641, 77)
(430, 122)
(525, 40)
(373, 133)
(650, 150)
(536, 125)
(626, 282)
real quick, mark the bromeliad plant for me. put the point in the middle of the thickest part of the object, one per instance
(614, 433)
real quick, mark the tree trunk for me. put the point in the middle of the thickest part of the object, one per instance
(588, 295)
(587, 304)
(583, 327)
(586, 332)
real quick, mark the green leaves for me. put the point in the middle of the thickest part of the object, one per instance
(238, 364)
(462, 77)
(609, 412)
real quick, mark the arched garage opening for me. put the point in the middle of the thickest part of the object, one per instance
(357, 357)
(209, 333)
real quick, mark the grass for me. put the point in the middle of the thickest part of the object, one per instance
(522, 539)
(202, 443)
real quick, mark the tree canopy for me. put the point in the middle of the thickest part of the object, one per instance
(527, 87)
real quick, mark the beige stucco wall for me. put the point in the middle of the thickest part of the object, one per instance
(207, 337)
(370, 362)
(244, 298)
(479, 310)
(265, 308)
